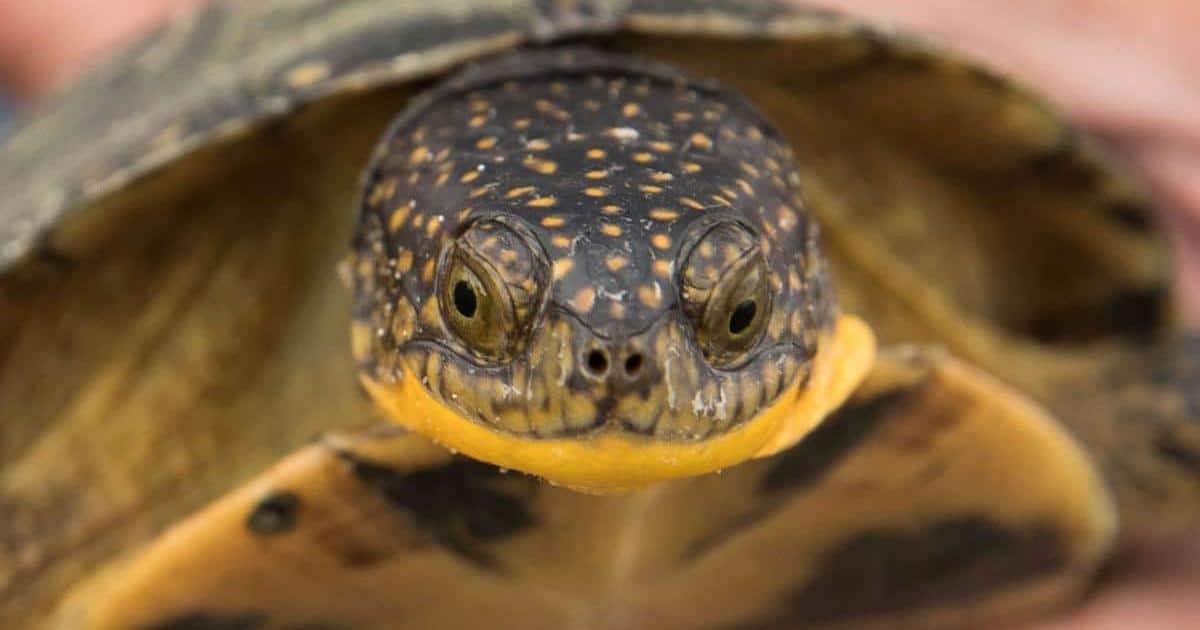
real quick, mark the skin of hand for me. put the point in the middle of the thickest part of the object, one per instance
(1130, 72)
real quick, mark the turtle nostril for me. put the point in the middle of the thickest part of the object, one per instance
(633, 364)
(597, 362)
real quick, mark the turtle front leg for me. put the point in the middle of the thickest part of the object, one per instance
(937, 497)
(359, 530)
(1140, 415)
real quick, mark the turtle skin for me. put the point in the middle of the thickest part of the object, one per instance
(168, 296)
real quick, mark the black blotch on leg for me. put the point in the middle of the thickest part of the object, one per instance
(1135, 314)
(951, 562)
(1171, 449)
(1133, 215)
(463, 506)
(275, 514)
(805, 463)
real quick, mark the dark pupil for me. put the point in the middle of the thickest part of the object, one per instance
(742, 317)
(464, 299)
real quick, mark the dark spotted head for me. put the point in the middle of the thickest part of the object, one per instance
(595, 269)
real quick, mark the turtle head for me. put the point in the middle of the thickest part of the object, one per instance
(605, 300)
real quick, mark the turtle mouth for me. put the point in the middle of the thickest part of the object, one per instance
(573, 383)
(588, 451)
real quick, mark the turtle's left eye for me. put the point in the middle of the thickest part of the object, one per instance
(490, 290)
(725, 292)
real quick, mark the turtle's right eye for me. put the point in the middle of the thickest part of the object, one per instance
(476, 307)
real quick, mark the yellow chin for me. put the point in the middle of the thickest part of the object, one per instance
(611, 462)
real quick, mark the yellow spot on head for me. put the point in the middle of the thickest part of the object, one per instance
(596, 174)
(609, 229)
(558, 240)
(611, 209)
(691, 167)
(544, 167)
(660, 177)
(596, 191)
(543, 202)
(405, 261)
(662, 268)
(517, 192)
(642, 157)
(469, 176)
(691, 203)
(616, 263)
(553, 220)
(661, 146)
(787, 217)
(562, 267)
(650, 189)
(539, 144)
(584, 299)
(521, 123)
(427, 271)
(617, 310)
(663, 214)
(701, 141)
(650, 295)
(477, 121)
(398, 217)
(418, 155)
(684, 116)
(661, 241)
(630, 110)
(487, 143)
(596, 154)
(383, 191)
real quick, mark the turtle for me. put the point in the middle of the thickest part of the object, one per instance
(661, 313)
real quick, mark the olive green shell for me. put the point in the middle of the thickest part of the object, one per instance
(213, 75)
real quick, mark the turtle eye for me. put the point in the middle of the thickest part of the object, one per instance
(725, 293)
(490, 290)
(475, 308)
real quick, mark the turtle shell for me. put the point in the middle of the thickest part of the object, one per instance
(171, 322)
